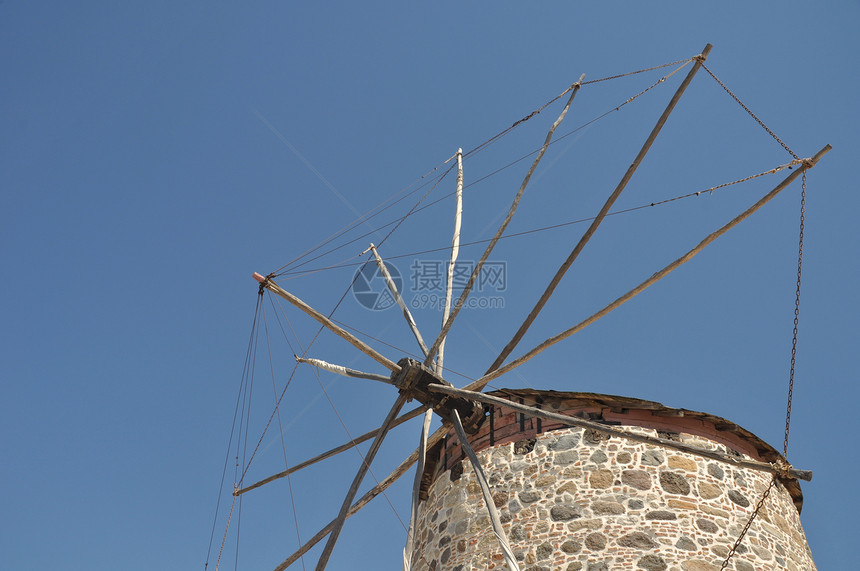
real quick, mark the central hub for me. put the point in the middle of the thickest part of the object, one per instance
(414, 378)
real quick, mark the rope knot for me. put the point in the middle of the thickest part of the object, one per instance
(782, 469)
(699, 58)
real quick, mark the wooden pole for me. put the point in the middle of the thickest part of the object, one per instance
(477, 270)
(392, 287)
(333, 452)
(495, 521)
(365, 499)
(455, 250)
(573, 421)
(416, 490)
(482, 382)
(345, 371)
(600, 215)
(356, 482)
(325, 321)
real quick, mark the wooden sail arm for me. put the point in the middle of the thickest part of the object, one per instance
(807, 163)
(495, 521)
(267, 283)
(573, 89)
(332, 452)
(344, 371)
(416, 491)
(356, 482)
(366, 498)
(455, 251)
(600, 215)
(392, 287)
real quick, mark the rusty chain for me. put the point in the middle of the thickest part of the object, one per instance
(796, 316)
(746, 528)
(747, 109)
(790, 376)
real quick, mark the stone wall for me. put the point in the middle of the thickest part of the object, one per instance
(571, 499)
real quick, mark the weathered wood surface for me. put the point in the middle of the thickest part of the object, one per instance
(333, 452)
(600, 215)
(482, 382)
(621, 433)
(328, 323)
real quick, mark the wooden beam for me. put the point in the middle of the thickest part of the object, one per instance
(600, 215)
(582, 423)
(356, 482)
(333, 452)
(495, 521)
(455, 250)
(270, 285)
(344, 371)
(416, 491)
(482, 382)
(392, 287)
(477, 270)
(365, 499)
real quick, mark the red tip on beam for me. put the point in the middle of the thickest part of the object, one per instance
(259, 278)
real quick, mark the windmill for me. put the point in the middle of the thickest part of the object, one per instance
(467, 413)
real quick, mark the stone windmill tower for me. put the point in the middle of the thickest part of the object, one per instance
(578, 497)
(568, 480)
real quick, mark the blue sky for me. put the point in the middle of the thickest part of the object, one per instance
(154, 155)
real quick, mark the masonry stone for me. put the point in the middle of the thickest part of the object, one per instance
(601, 478)
(564, 513)
(544, 550)
(674, 483)
(572, 499)
(595, 541)
(565, 442)
(698, 565)
(607, 508)
(571, 546)
(707, 525)
(566, 457)
(738, 498)
(500, 499)
(637, 539)
(709, 491)
(652, 563)
(545, 481)
(661, 515)
(652, 458)
(715, 471)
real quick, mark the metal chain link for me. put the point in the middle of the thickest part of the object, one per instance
(749, 523)
(565, 92)
(747, 109)
(589, 82)
(790, 376)
(796, 316)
